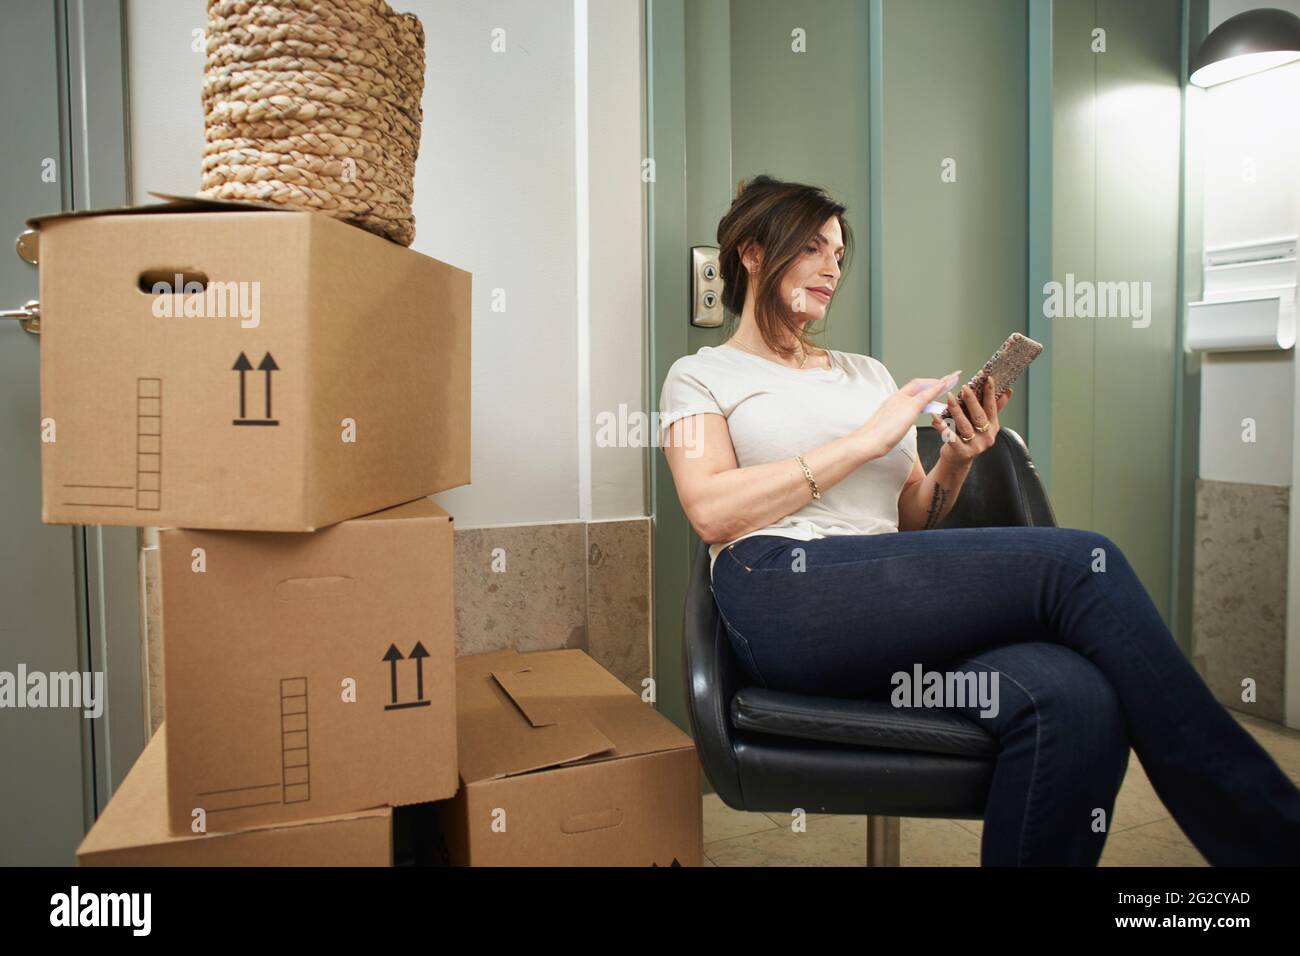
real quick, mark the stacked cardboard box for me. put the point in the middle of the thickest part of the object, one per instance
(231, 373)
(309, 674)
(220, 365)
(133, 831)
(562, 765)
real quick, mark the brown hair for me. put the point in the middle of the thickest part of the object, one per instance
(782, 218)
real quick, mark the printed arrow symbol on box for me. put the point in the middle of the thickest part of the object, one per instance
(268, 366)
(242, 365)
(418, 655)
(393, 656)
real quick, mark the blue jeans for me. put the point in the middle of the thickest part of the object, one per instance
(1083, 664)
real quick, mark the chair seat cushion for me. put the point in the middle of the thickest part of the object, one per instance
(866, 723)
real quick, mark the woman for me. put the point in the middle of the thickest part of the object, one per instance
(799, 466)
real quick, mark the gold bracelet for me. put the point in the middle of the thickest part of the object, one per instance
(812, 482)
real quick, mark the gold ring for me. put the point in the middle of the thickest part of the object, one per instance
(984, 429)
(963, 437)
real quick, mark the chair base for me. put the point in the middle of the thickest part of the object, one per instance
(884, 841)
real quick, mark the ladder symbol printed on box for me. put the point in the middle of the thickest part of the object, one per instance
(146, 493)
(418, 654)
(294, 751)
(243, 366)
(244, 793)
(239, 798)
(295, 781)
(148, 444)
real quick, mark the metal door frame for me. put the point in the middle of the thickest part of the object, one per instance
(95, 155)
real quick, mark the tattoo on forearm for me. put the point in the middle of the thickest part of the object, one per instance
(937, 502)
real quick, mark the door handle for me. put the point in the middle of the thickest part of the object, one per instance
(28, 246)
(29, 316)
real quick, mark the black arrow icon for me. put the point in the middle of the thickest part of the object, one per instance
(393, 656)
(242, 365)
(419, 654)
(268, 366)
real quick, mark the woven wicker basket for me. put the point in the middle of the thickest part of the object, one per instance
(315, 104)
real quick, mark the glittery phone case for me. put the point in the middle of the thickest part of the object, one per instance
(1007, 363)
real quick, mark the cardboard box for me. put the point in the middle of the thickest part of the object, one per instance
(307, 675)
(133, 831)
(313, 373)
(562, 765)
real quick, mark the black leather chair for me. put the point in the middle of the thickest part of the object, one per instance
(767, 750)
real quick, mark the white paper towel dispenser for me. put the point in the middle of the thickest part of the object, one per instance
(1244, 331)
(1250, 299)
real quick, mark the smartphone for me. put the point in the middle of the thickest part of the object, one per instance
(1005, 365)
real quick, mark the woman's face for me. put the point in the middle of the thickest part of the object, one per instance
(811, 279)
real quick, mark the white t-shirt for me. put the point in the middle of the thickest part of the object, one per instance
(775, 412)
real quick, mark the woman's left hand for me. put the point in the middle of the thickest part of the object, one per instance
(981, 426)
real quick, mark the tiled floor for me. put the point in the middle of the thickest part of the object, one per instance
(1143, 834)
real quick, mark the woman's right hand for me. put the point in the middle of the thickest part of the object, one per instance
(898, 413)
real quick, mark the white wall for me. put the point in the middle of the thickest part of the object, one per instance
(1250, 131)
(496, 193)
(166, 76)
(1250, 128)
(619, 329)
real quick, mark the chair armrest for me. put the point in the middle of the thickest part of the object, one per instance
(1003, 488)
